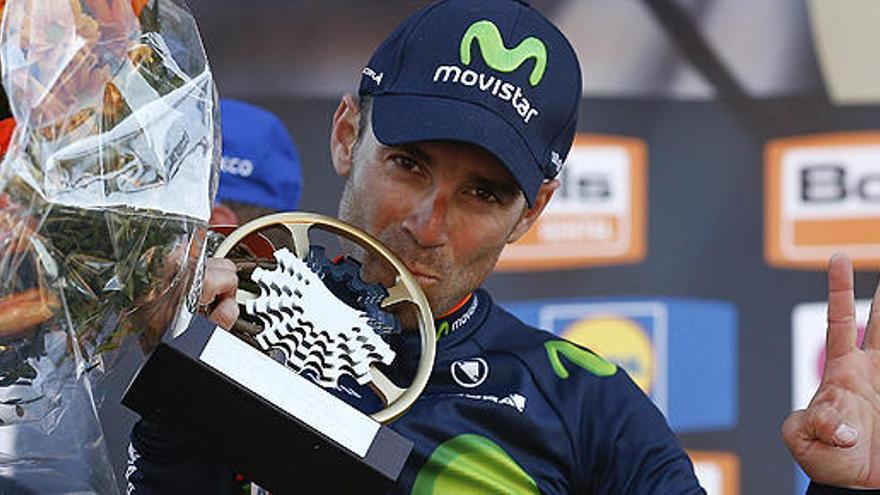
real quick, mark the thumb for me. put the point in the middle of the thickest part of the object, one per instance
(225, 313)
(819, 422)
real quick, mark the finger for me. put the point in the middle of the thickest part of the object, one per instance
(872, 332)
(225, 313)
(220, 280)
(792, 430)
(823, 423)
(841, 337)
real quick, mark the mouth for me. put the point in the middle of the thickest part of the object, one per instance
(424, 277)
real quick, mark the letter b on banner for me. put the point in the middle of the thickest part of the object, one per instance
(822, 194)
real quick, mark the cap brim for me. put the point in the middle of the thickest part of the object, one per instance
(400, 119)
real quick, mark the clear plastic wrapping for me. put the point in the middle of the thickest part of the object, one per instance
(105, 194)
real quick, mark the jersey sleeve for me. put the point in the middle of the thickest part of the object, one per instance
(619, 441)
(820, 489)
(641, 453)
(623, 443)
(158, 463)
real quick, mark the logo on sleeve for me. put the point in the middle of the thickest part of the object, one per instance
(470, 373)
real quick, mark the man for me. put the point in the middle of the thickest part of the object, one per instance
(465, 115)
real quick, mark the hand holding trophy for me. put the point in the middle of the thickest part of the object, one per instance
(317, 319)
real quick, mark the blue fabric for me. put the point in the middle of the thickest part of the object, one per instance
(493, 384)
(820, 489)
(260, 164)
(444, 74)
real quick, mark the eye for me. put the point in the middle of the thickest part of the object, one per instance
(407, 163)
(485, 195)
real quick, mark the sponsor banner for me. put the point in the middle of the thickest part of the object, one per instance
(682, 352)
(808, 326)
(822, 194)
(598, 214)
(718, 472)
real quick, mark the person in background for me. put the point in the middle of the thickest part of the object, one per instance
(260, 171)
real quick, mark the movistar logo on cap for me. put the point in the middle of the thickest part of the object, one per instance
(500, 58)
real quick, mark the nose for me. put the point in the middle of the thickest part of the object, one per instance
(426, 222)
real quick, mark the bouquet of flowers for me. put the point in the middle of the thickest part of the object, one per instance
(105, 191)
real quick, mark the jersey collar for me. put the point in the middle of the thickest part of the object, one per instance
(457, 324)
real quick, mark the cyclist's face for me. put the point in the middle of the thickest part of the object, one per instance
(445, 208)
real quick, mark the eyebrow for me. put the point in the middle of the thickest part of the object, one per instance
(414, 150)
(503, 188)
(507, 189)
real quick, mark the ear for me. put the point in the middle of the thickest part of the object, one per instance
(531, 214)
(344, 134)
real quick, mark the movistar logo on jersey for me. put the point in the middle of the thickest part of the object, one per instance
(500, 58)
(471, 463)
(581, 357)
(445, 328)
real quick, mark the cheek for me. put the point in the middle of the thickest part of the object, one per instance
(480, 241)
(379, 206)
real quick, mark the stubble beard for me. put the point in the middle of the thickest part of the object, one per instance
(441, 297)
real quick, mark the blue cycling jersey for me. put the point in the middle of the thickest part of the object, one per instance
(508, 409)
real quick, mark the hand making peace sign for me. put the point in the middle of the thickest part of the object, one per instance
(836, 440)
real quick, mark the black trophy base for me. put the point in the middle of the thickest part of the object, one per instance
(253, 426)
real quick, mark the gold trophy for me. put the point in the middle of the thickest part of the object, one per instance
(269, 398)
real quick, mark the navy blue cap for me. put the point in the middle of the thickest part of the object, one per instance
(260, 165)
(495, 73)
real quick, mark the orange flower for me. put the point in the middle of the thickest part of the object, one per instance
(15, 228)
(115, 18)
(23, 310)
(109, 30)
(136, 5)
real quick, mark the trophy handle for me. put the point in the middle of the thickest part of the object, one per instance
(405, 289)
